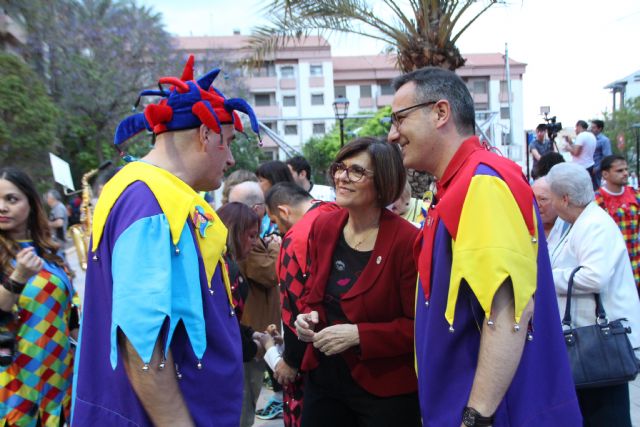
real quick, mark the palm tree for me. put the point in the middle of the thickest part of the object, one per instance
(425, 36)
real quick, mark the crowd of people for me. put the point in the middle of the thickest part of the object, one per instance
(364, 306)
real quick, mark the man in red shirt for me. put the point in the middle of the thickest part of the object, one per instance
(623, 204)
(294, 211)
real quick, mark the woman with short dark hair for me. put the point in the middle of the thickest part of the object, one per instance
(360, 307)
(271, 173)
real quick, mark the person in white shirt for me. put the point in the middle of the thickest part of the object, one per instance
(582, 149)
(301, 172)
(595, 243)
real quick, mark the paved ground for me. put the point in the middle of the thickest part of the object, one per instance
(634, 387)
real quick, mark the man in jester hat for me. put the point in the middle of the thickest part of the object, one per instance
(159, 342)
(489, 345)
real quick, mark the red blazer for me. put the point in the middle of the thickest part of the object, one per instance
(381, 303)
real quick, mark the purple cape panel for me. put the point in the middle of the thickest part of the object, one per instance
(542, 391)
(103, 396)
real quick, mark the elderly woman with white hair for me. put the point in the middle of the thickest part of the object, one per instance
(594, 242)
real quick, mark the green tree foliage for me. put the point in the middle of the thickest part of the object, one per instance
(27, 119)
(321, 151)
(94, 56)
(246, 151)
(620, 123)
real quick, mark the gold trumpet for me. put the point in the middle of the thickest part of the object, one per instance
(81, 232)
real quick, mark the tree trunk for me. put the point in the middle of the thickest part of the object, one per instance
(420, 182)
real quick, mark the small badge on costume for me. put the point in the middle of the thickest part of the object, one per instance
(202, 220)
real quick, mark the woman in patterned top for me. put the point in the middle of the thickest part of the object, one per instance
(35, 387)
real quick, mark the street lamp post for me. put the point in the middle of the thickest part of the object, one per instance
(341, 108)
(636, 127)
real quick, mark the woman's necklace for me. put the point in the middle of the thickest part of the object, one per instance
(366, 237)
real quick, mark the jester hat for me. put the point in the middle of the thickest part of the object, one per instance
(187, 104)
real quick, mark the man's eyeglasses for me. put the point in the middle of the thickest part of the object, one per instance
(396, 118)
(354, 172)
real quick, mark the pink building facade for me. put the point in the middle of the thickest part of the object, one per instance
(294, 90)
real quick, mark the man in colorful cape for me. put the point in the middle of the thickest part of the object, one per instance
(622, 202)
(294, 211)
(485, 353)
(159, 341)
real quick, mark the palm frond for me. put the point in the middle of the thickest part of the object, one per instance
(424, 39)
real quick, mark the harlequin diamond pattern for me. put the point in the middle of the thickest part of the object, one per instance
(38, 383)
(291, 283)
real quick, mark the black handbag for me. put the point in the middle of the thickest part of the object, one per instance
(600, 354)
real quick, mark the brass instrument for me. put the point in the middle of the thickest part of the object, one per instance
(81, 233)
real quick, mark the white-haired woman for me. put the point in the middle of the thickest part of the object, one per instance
(594, 242)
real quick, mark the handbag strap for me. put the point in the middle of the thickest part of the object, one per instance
(600, 313)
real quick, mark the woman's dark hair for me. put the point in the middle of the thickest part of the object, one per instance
(275, 171)
(238, 218)
(546, 162)
(37, 224)
(389, 172)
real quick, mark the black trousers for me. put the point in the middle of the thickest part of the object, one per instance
(333, 399)
(605, 406)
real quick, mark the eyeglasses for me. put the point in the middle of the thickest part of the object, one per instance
(396, 120)
(354, 172)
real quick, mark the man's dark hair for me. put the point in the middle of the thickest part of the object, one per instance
(608, 161)
(582, 124)
(299, 164)
(546, 162)
(389, 173)
(434, 84)
(285, 193)
(274, 171)
(599, 124)
(542, 127)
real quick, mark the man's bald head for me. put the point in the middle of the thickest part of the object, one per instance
(250, 194)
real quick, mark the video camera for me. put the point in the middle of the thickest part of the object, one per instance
(553, 127)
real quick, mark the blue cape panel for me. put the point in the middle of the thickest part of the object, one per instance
(161, 283)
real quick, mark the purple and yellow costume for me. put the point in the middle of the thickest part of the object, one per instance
(482, 230)
(37, 385)
(156, 272)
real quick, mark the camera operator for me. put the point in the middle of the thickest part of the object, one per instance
(582, 149)
(541, 145)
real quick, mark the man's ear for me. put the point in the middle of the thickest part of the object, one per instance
(204, 137)
(284, 212)
(443, 110)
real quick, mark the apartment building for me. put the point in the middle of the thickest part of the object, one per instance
(294, 90)
(624, 89)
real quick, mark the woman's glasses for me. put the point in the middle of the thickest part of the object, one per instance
(354, 172)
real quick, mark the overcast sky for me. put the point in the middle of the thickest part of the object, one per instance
(573, 48)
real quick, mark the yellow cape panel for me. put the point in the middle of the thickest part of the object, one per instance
(178, 201)
(493, 244)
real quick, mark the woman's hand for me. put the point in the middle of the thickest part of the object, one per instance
(336, 339)
(28, 264)
(305, 325)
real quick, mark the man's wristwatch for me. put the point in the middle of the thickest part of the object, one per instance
(472, 418)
